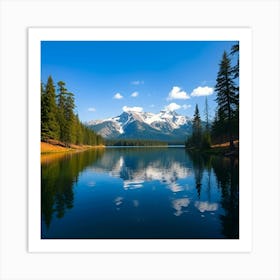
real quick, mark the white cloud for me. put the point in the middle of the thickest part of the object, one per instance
(186, 106)
(172, 107)
(202, 91)
(177, 93)
(118, 96)
(137, 83)
(92, 109)
(134, 94)
(132, 109)
(152, 105)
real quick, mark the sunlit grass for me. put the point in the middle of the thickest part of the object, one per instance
(224, 145)
(49, 148)
(51, 152)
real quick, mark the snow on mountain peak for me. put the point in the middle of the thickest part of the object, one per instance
(134, 120)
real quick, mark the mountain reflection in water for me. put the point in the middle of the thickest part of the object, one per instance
(140, 193)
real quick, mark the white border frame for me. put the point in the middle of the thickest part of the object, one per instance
(262, 16)
(243, 35)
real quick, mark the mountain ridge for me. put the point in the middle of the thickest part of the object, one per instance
(164, 126)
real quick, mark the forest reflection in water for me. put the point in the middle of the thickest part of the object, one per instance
(140, 193)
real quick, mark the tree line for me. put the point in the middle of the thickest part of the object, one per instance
(58, 119)
(135, 142)
(225, 126)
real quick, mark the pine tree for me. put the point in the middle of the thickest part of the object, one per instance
(235, 68)
(66, 116)
(49, 124)
(207, 126)
(58, 120)
(227, 97)
(197, 129)
(79, 132)
(218, 128)
(70, 118)
(235, 53)
(206, 138)
(61, 101)
(44, 114)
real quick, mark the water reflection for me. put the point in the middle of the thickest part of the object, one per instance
(140, 193)
(141, 165)
(58, 178)
(180, 205)
(203, 206)
(227, 174)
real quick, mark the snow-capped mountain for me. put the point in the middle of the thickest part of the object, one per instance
(166, 126)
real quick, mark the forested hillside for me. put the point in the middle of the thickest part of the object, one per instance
(58, 119)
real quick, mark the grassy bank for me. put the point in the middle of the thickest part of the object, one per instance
(221, 149)
(58, 147)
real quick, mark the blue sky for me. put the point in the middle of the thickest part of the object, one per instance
(109, 77)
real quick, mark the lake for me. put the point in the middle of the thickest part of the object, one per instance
(139, 192)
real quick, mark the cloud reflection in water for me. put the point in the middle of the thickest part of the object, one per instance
(204, 206)
(179, 204)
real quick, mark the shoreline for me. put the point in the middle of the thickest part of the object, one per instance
(57, 147)
(221, 149)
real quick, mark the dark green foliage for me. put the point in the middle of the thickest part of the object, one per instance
(207, 126)
(135, 142)
(235, 51)
(225, 126)
(218, 129)
(197, 130)
(58, 120)
(61, 103)
(195, 140)
(227, 100)
(49, 122)
(206, 136)
(235, 69)
(206, 140)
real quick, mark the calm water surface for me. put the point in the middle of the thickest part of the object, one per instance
(139, 193)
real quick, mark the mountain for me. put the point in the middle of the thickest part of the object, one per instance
(164, 126)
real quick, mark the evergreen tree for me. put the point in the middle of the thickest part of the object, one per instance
(61, 101)
(207, 126)
(70, 118)
(197, 130)
(206, 138)
(78, 126)
(49, 124)
(218, 129)
(235, 51)
(58, 120)
(66, 116)
(195, 140)
(227, 97)
(44, 113)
